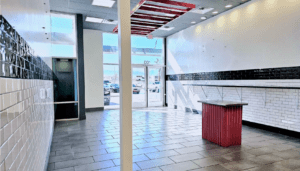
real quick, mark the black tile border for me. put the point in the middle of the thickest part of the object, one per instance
(96, 109)
(272, 129)
(252, 74)
(16, 56)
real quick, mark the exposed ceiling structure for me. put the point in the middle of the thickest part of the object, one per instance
(150, 15)
(204, 10)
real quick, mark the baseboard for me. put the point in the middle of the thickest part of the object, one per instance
(94, 109)
(272, 129)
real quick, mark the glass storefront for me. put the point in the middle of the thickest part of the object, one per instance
(147, 58)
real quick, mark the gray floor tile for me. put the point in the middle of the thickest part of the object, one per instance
(95, 166)
(206, 162)
(186, 157)
(186, 150)
(154, 163)
(104, 157)
(212, 168)
(71, 163)
(162, 154)
(136, 158)
(165, 136)
(180, 166)
(53, 159)
(90, 153)
(169, 147)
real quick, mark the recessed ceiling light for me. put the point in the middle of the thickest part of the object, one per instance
(201, 10)
(93, 19)
(166, 28)
(193, 22)
(103, 3)
(203, 18)
(215, 12)
(228, 6)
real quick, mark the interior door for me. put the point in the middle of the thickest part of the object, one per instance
(65, 88)
(155, 86)
(139, 94)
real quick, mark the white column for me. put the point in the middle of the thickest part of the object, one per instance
(124, 32)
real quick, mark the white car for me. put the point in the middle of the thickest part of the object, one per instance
(139, 85)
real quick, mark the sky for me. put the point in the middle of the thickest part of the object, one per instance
(136, 41)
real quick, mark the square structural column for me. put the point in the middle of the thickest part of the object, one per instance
(124, 48)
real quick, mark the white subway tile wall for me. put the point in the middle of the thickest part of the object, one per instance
(26, 123)
(273, 107)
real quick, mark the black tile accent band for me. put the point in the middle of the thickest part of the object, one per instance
(253, 74)
(16, 56)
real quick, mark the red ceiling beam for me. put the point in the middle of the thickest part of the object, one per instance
(141, 29)
(150, 18)
(153, 15)
(182, 4)
(145, 25)
(168, 8)
(161, 10)
(146, 22)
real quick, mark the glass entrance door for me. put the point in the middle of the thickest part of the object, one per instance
(139, 87)
(155, 86)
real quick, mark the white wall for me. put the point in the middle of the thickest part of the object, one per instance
(27, 118)
(93, 68)
(257, 34)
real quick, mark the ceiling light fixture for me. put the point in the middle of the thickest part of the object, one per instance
(93, 20)
(166, 28)
(228, 6)
(203, 18)
(103, 3)
(193, 22)
(202, 10)
(215, 12)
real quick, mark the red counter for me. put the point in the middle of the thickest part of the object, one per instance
(222, 122)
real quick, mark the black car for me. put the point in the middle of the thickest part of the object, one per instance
(115, 88)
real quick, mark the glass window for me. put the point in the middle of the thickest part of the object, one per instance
(64, 41)
(142, 48)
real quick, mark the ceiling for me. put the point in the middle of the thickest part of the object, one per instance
(86, 8)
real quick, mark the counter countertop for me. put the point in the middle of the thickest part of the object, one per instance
(222, 103)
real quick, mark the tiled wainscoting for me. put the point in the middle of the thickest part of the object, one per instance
(273, 107)
(26, 123)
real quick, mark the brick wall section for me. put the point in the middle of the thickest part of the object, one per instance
(26, 123)
(280, 109)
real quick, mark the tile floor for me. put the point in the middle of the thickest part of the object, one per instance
(168, 140)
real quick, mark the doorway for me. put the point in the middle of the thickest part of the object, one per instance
(65, 88)
(147, 86)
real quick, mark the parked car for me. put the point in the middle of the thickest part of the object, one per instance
(106, 95)
(140, 78)
(106, 82)
(138, 85)
(115, 88)
(136, 91)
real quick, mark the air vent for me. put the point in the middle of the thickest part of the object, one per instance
(201, 10)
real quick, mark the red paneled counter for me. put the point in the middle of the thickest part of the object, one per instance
(222, 122)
